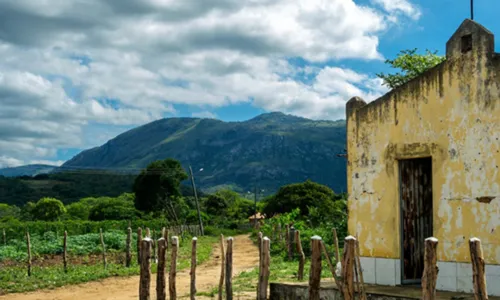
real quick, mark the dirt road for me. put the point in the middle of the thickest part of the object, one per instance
(245, 257)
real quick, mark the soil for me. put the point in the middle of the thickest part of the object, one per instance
(245, 257)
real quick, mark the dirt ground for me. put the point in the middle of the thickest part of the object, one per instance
(245, 257)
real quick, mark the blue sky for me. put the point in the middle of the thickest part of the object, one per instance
(77, 74)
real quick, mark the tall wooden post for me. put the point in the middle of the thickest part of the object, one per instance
(145, 274)
(173, 268)
(161, 293)
(148, 232)
(336, 244)
(222, 266)
(28, 244)
(139, 240)
(128, 246)
(291, 241)
(153, 256)
(264, 269)
(4, 238)
(330, 265)
(302, 257)
(103, 249)
(348, 267)
(358, 260)
(478, 274)
(65, 252)
(197, 202)
(429, 277)
(193, 269)
(287, 240)
(229, 269)
(315, 271)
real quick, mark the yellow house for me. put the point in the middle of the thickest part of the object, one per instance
(423, 160)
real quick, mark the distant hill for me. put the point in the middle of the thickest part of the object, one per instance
(267, 151)
(27, 170)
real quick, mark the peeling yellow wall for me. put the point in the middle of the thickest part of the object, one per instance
(451, 113)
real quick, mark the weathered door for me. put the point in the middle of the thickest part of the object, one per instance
(416, 215)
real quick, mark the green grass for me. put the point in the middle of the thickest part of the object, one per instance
(281, 270)
(14, 279)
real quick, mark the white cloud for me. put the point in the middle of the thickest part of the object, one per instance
(204, 114)
(404, 7)
(69, 64)
(9, 162)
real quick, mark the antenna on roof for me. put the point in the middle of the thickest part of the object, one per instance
(472, 9)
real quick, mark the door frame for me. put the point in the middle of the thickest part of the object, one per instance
(401, 227)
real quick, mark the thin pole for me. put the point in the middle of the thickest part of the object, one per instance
(472, 9)
(197, 203)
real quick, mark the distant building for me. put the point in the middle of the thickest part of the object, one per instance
(424, 160)
(258, 218)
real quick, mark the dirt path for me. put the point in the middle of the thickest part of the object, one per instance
(245, 257)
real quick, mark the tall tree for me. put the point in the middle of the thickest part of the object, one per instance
(158, 184)
(411, 65)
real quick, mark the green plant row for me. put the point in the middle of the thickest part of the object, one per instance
(16, 230)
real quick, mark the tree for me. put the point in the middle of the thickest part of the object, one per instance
(411, 65)
(315, 201)
(158, 184)
(113, 209)
(48, 209)
(9, 212)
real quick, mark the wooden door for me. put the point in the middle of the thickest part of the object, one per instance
(416, 215)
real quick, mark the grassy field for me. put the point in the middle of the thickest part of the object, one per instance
(48, 270)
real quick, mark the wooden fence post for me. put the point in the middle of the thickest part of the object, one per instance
(330, 265)
(348, 267)
(139, 240)
(153, 245)
(103, 249)
(4, 238)
(161, 293)
(336, 244)
(173, 268)
(229, 269)
(478, 274)
(315, 272)
(429, 277)
(302, 257)
(264, 269)
(287, 240)
(280, 236)
(28, 244)
(358, 260)
(222, 266)
(145, 274)
(128, 254)
(291, 241)
(193, 269)
(65, 252)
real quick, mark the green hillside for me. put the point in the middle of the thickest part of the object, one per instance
(269, 151)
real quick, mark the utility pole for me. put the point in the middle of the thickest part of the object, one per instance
(255, 198)
(472, 9)
(197, 202)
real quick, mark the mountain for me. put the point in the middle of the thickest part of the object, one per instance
(27, 170)
(267, 151)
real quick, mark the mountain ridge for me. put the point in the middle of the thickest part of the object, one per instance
(267, 151)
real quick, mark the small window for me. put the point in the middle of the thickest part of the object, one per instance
(466, 43)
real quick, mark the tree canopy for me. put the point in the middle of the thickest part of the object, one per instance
(411, 65)
(158, 184)
(48, 209)
(315, 201)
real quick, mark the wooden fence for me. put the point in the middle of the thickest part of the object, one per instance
(347, 274)
(180, 230)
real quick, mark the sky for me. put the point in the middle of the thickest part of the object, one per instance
(76, 73)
